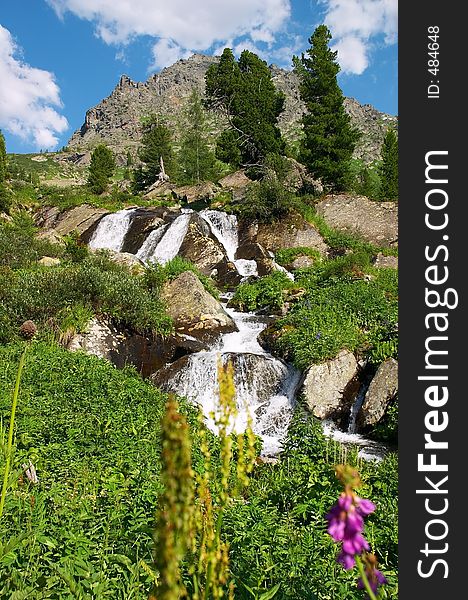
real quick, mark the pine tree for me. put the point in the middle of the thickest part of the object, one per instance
(246, 93)
(3, 159)
(329, 139)
(101, 169)
(389, 167)
(196, 160)
(156, 144)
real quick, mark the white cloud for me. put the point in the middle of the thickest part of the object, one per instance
(181, 26)
(27, 98)
(355, 24)
(166, 52)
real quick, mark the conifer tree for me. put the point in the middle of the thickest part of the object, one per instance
(156, 144)
(244, 90)
(196, 160)
(3, 159)
(329, 139)
(389, 167)
(101, 169)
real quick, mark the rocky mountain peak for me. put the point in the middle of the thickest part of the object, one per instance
(116, 120)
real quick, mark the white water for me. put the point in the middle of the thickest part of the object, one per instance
(225, 229)
(163, 246)
(111, 230)
(368, 449)
(265, 386)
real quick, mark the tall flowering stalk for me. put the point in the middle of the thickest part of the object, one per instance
(175, 515)
(346, 525)
(193, 506)
(27, 331)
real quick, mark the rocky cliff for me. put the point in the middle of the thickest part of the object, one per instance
(116, 121)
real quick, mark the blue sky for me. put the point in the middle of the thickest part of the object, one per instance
(60, 57)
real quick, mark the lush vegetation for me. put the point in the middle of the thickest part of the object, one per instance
(156, 153)
(85, 529)
(337, 303)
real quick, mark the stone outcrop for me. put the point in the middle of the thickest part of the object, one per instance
(116, 120)
(382, 390)
(78, 219)
(194, 311)
(121, 348)
(292, 231)
(330, 387)
(375, 222)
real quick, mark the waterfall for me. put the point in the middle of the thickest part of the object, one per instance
(163, 244)
(225, 229)
(148, 247)
(111, 230)
(265, 386)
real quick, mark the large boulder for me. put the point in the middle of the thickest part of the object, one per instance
(195, 193)
(78, 219)
(144, 221)
(329, 388)
(200, 247)
(236, 183)
(298, 178)
(292, 231)
(125, 259)
(382, 390)
(375, 222)
(122, 348)
(194, 311)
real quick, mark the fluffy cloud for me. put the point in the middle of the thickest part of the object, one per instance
(181, 26)
(355, 24)
(27, 98)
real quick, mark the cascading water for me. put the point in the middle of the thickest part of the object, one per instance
(163, 244)
(265, 386)
(225, 229)
(111, 230)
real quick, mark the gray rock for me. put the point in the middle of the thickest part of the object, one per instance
(325, 386)
(121, 348)
(194, 311)
(79, 219)
(388, 262)
(292, 231)
(382, 390)
(302, 262)
(375, 222)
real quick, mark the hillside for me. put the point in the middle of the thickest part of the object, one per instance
(116, 121)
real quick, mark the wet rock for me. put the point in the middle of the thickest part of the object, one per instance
(143, 222)
(194, 311)
(329, 388)
(388, 262)
(382, 390)
(49, 261)
(375, 222)
(251, 251)
(256, 376)
(200, 247)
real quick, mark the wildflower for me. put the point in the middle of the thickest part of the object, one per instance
(346, 525)
(374, 576)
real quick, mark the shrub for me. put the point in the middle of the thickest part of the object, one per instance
(265, 200)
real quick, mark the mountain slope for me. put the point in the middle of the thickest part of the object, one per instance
(116, 121)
